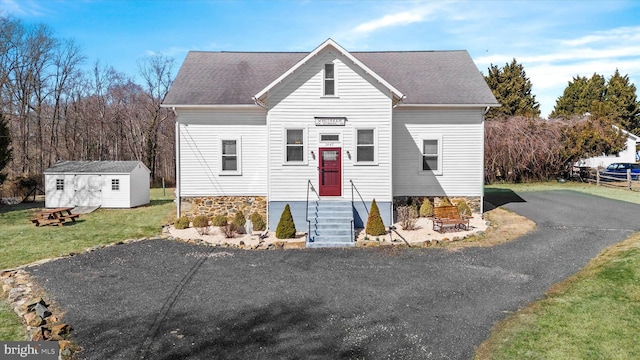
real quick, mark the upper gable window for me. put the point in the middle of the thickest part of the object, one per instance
(329, 80)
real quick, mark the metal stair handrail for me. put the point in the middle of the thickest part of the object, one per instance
(354, 188)
(310, 188)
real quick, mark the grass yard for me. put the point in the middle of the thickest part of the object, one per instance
(21, 242)
(595, 314)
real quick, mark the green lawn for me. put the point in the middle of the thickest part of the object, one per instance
(593, 315)
(21, 242)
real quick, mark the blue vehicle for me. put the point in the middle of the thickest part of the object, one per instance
(619, 170)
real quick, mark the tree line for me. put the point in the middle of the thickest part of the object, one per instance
(588, 120)
(53, 109)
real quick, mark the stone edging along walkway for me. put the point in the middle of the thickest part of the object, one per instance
(42, 318)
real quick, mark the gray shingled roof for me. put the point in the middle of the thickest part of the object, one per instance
(424, 77)
(103, 167)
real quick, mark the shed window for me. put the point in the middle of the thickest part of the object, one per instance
(59, 184)
(115, 184)
(295, 145)
(365, 148)
(329, 80)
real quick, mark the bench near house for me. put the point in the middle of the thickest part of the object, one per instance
(327, 132)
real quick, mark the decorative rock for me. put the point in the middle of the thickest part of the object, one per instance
(42, 311)
(14, 294)
(32, 319)
(295, 245)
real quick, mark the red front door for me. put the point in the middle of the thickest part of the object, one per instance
(330, 168)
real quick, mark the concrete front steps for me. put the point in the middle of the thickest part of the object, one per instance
(331, 224)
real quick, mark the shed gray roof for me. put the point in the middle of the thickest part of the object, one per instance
(103, 167)
(424, 77)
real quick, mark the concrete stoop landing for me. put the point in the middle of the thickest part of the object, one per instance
(331, 224)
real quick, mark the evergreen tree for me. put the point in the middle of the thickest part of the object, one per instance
(286, 227)
(375, 225)
(622, 104)
(512, 88)
(581, 96)
(5, 147)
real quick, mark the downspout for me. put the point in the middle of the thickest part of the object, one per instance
(483, 168)
(264, 106)
(177, 191)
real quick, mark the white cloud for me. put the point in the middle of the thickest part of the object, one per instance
(417, 14)
(21, 8)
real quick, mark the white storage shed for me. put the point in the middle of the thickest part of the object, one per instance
(108, 184)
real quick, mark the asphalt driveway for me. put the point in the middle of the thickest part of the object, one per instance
(162, 299)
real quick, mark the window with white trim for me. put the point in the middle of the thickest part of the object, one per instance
(295, 146)
(115, 184)
(230, 163)
(365, 146)
(59, 184)
(329, 80)
(432, 155)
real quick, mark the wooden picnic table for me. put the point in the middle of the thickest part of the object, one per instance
(56, 216)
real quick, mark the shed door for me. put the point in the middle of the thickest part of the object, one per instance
(330, 168)
(88, 190)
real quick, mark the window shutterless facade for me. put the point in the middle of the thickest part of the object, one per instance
(115, 184)
(431, 160)
(295, 146)
(329, 80)
(59, 184)
(365, 146)
(230, 157)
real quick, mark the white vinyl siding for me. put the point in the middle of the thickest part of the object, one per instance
(200, 151)
(461, 157)
(364, 103)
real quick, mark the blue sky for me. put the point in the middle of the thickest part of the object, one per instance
(554, 40)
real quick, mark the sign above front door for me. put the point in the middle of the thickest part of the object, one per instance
(330, 121)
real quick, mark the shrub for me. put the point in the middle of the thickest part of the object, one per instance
(286, 227)
(463, 208)
(239, 219)
(445, 201)
(201, 223)
(219, 220)
(229, 230)
(375, 225)
(408, 216)
(426, 209)
(181, 223)
(258, 222)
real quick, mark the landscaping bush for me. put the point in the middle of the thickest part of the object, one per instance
(181, 223)
(445, 201)
(408, 216)
(286, 227)
(463, 208)
(239, 219)
(375, 225)
(258, 222)
(426, 209)
(201, 223)
(229, 230)
(219, 220)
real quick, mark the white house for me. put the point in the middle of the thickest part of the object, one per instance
(109, 184)
(327, 132)
(627, 155)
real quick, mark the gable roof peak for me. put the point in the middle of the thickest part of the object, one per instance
(328, 43)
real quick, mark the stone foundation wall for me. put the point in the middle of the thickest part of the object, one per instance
(472, 201)
(211, 206)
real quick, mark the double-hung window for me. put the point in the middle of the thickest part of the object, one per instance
(294, 152)
(432, 155)
(59, 184)
(115, 184)
(230, 157)
(365, 146)
(329, 80)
